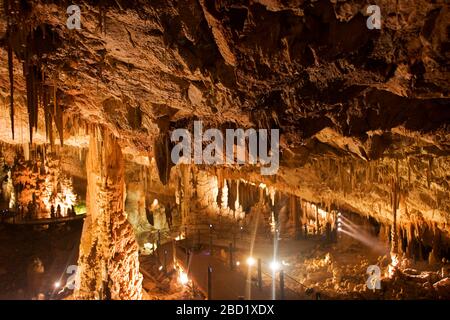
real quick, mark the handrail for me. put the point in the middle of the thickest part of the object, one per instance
(295, 280)
(287, 276)
(36, 221)
(199, 229)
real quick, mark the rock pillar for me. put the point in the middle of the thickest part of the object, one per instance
(108, 265)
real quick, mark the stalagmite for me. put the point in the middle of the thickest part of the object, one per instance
(108, 261)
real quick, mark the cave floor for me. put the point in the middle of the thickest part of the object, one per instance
(313, 269)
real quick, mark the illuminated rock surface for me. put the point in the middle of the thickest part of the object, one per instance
(363, 115)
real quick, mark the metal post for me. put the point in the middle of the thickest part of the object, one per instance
(234, 240)
(158, 243)
(174, 252)
(317, 220)
(210, 244)
(209, 282)
(210, 241)
(281, 285)
(259, 274)
(231, 256)
(165, 261)
(198, 238)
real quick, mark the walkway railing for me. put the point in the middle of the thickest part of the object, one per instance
(206, 235)
(194, 231)
(11, 217)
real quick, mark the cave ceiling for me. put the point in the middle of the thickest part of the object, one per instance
(334, 88)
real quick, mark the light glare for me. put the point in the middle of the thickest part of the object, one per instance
(275, 265)
(183, 278)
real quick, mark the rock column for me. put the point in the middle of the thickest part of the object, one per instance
(108, 266)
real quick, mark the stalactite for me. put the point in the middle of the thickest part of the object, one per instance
(36, 91)
(186, 192)
(224, 199)
(231, 193)
(33, 83)
(342, 177)
(59, 119)
(47, 118)
(102, 17)
(220, 184)
(401, 239)
(294, 214)
(436, 245)
(162, 156)
(24, 39)
(236, 203)
(429, 171)
(254, 195)
(29, 102)
(51, 115)
(316, 217)
(408, 162)
(11, 81)
(367, 173)
(409, 237)
(394, 239)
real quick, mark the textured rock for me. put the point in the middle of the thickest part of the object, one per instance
(108, 262)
